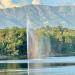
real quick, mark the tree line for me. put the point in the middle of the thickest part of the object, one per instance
(62, 40)
(13, 41)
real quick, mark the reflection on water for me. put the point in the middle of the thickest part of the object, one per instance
(14, 73)
(13, 69)
(13, 66)
(53, 66)
(68, 70)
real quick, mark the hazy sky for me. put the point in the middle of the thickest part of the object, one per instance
(17, 3)
(46, 2)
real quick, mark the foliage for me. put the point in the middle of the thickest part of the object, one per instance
(13, 41)
(62, 39)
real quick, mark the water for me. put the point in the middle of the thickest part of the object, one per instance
(41, 58)
(69, 59)
(15, 72)
(42, 61)
(43, 52)
(39, 47)
(14, 67)
(69, 70)
(53, 66)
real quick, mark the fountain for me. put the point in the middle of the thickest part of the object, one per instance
(38, 48)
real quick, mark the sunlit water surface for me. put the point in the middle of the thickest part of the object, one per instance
(60, 66)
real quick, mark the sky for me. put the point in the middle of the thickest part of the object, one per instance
(46, 2)
(58, 2)
(18, 3)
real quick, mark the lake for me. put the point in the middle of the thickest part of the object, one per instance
(14, 67)
(53, 66)
(14, 72)
(47, 66)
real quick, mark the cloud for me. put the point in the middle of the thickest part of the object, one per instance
(36, 2)
(8, 4)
